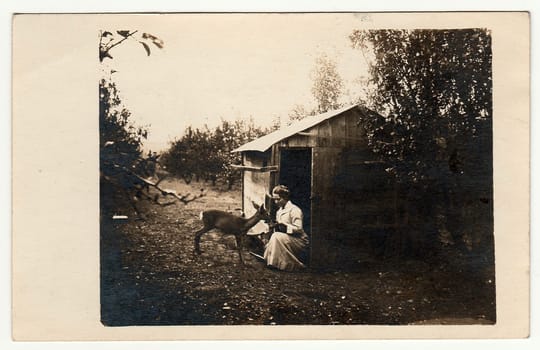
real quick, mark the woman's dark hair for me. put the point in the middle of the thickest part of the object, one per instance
(282, 191)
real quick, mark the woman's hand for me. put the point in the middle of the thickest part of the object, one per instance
(281, 227)
(277, 226)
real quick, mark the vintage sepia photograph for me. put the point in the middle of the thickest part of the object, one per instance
(271, 176)
(295, 169)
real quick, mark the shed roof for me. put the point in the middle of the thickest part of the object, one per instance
(263, 143)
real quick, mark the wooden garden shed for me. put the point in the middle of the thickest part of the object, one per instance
(344, 192)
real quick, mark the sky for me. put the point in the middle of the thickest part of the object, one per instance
(230, 66)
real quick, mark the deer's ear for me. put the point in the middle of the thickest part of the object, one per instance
(255, 205)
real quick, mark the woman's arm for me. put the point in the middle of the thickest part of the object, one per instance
(296, 224)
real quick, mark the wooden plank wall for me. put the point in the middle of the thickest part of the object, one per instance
(340, 131)
(255, 185)
(323, 218)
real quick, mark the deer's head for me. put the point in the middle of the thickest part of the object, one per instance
(261, 211)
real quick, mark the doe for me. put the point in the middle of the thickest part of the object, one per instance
(229, 224)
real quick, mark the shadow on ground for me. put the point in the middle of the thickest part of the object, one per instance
(150, 276)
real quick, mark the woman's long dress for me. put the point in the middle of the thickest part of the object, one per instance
(285, 250)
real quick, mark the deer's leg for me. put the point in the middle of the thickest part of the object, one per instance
(198, 235)
(239, 247)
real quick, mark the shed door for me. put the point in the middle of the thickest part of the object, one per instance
(295, 173)
(323, 205)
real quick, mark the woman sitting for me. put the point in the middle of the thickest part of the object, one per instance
(289, 243)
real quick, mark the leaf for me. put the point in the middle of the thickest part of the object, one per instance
(106, 34)
(155, 40)
(158, 43)
(104, 54)
(146, 47)
(124, 33)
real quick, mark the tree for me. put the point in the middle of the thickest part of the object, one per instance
(276, 123)
(183, 158)
(433, 90)
(229, 136)
(300, 112)
(208, 153)
(326, 90)
(124, 170)
(120, 141)
(327, 84)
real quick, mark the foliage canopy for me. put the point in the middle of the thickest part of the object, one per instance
(434, 91)
(207, 153)
(327, 84)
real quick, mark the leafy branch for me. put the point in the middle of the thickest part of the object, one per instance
(115, 39)
(124, 171)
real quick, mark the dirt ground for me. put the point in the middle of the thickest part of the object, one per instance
(150, 276)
